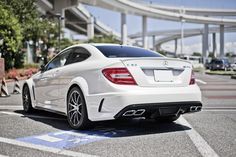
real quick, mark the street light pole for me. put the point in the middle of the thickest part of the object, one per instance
(1, 43)
(182, 11)
(59, 17)
(182, 36)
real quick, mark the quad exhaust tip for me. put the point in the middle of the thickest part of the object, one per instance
(138, 112)
(195, 108)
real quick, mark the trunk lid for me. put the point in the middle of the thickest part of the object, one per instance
(159, 72)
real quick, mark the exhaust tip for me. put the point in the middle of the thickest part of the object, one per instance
(138, 112)
(198, 108)
(129, 113)
(195, 108)
(192, 109)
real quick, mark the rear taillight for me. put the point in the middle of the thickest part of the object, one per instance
(119, 76)
(192, 79)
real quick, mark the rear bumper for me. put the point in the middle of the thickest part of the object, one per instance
(107, 106)
(159, 109)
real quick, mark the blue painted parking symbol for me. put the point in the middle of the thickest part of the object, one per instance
(69, 139)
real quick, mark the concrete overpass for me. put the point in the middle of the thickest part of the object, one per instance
(76, 17)
(132, 7)
(193, 11)
(170, 35)
(191, 33)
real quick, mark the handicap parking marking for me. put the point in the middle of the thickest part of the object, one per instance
(70, 139)
(49, 138)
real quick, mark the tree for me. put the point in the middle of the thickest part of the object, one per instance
(163, 52)
(196, 54)
(104, 39)
(33, 26)
(26, 13)
(228, 54)
(11, 32)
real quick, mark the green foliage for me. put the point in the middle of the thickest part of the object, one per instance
(229, 54)
(65, 43)
(18, 60)
(104, 39)
(20, 22)
(196, 54)
(27, 66)
(162, 52)
(26, 13)
(11, 32)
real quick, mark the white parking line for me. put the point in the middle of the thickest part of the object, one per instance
(44, 148)
(32, 116)
(219, 110)
(219, 107)
(11, 107)
(199, 142)
(200, 81)
(3, 155)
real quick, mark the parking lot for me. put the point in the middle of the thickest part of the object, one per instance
(210, 132)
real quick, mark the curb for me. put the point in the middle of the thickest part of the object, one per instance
(233, 77)
(223, 74)
(20, 79)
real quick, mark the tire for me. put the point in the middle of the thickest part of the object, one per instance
(77, 115)
(167, 119)
(27, 104)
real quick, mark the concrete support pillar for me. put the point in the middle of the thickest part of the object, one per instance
(214, 44)
(205, 46)
(158, 47)
(222, 41)
(123, 29)
(63, 18)
(60, 8)
(176, 46)
(144, 32)
(90, 27)
(182, 37)
(154, 42)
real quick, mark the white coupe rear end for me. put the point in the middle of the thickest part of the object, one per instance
(117, 81)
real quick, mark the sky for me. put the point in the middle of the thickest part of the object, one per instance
(134, 23)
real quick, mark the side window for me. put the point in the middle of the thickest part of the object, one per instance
(77, 55)
(59, 60)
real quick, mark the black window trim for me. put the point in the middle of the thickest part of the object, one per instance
(60, 53)
(83, 49)
(64, 51)
(97, 46)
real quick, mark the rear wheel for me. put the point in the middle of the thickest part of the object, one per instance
(77, 115)
(167, 119)
(27, 104)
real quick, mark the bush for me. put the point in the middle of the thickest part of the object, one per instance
(27, 66)
(11, 74)
(233, 77)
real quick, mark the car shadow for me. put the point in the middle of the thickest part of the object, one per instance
(112, 128)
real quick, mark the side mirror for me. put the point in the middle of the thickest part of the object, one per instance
(42, 68)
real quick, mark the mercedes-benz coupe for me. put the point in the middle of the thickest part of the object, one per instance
(94, 82)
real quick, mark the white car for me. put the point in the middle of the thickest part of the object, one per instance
(94, 82)
(233, 66)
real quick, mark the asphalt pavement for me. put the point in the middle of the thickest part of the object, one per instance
(210, 132)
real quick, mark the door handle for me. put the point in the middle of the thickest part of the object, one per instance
(44, 78)
(56, 73)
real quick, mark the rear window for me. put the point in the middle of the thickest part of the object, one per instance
(112, 51)
(218, 62)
